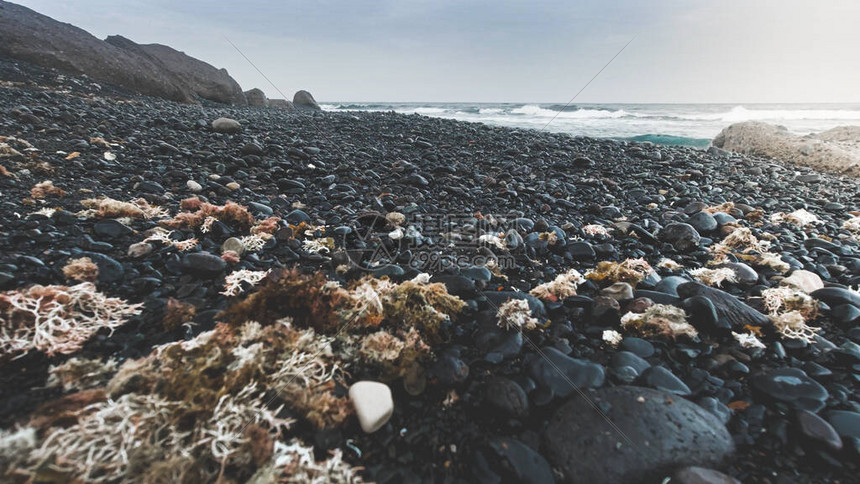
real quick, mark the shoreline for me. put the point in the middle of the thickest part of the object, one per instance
(560, 202)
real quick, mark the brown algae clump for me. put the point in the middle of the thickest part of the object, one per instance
(631, 271)
(660, 320)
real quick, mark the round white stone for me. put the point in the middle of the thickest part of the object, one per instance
(194, 186)
(373, 404)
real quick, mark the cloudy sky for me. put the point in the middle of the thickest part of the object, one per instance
(732, 51)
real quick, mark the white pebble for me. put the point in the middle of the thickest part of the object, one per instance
(373, 404)
(194, 186)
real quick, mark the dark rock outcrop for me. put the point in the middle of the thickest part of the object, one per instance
(256, 98)
(304, 100)
(154, 70)
(202, 79)
(282, 104)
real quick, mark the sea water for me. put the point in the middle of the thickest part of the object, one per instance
(679, 124)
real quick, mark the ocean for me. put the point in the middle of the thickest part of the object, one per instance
(676, 124)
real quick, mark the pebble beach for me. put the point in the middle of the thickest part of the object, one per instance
(190, 293)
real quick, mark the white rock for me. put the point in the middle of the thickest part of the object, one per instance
(194, 186)
(803, 280)
(618, 291)
(226, 125)
(140, 249)
(373, 404)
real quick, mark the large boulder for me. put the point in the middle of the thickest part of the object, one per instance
(835, 150)
(256, 98)
(154, 70)
(281, 104)
(640, 435)
(304, 100)
(194, 75)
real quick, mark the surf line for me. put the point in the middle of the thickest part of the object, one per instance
(587, 83)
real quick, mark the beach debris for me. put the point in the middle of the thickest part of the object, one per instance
(801, 217)
(80, 373)
(109, 208)
(714, 277)
(631, 271)
(748, 340)
(235, 281)
(82, 269)
(660, 320)
(57, 319)
(612, 337)
(515, 314)
(46, 189)
(559, 289)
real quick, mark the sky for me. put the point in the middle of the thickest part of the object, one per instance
(719, 51)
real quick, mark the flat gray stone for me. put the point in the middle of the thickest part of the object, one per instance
(666, 432)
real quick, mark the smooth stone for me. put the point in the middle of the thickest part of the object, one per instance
(818, 429)
(803, 280)
(234, 245)
(703, 222)
(701, 475)
(626, 359)
(373, 404)
(747, 276)
(562, 375)
(297, 216)
(109, 269)
(662, 379)
(139, 249)
(637, 346)
(846, 423)
(150, 187)
(457, 285)
(112, 229)
(203, 264)
(683, 237)
(703, 316)
(287, 185)
(664, 431)
(845, 314)
(252, 149)
(261, 209)
(815, 370)
(581, 251)
(669, 285)
(389, 270)
(508, 460)
(731, 311)
(792, 386)
(834, 296)
(194, 186)
(619, 291)
(717, 408)
(658, 297)
(524, 224)
(226, 125)
(507, 396)
(497, 343)
(448, 369)
(477, 273)
(723, 218)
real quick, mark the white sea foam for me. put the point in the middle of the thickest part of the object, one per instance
(684, 123)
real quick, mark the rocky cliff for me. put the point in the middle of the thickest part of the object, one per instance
(155, 70)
